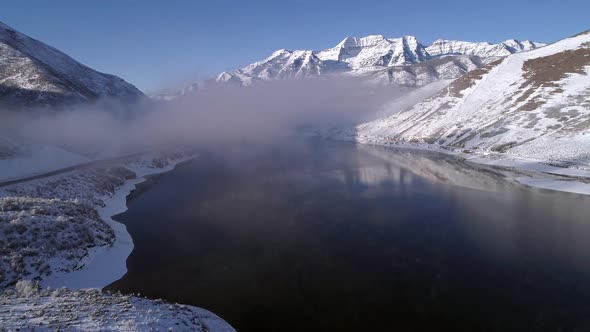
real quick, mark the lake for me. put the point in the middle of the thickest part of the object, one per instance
(315, 235)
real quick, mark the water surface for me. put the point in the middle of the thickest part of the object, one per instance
(328, 236)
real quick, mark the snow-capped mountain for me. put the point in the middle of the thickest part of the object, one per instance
(511, 46)
(282, 64)
(33, 73)
(376, 50)
(403, 60)
(287, 65)
(532, 105)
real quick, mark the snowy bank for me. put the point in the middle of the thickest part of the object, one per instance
(105, 265)
(575, 187)
(564, 179)
(527, 164)
(58, 230)
(544, 176)
(27, 307)
(65, 207)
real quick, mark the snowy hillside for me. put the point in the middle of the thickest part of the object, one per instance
(33, 74)
(533, 105)
(381, 60)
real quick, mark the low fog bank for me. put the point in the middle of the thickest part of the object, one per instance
(213, 115)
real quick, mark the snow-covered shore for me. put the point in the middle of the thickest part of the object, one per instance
(105, 265)
(26, 307)
(43, 221)
(546, 176)
(59, 285)
(564, 179)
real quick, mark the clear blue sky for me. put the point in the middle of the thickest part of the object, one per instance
(154, 44)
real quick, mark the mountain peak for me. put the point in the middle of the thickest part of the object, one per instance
(372, 38)
(348, 42)
(354, 42)
(224, 76)
(277, 53)
(410, 38)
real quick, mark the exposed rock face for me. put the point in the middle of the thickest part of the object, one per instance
(35, 74)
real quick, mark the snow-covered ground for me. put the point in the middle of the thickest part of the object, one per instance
(26, 307)
(58, 231)
(88, 197)
(104, 265)
(570, 186)
(40, 236)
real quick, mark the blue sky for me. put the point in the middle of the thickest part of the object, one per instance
(157, 44)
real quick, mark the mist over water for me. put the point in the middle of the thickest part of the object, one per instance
(212, 115)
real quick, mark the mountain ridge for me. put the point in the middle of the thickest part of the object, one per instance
(33, 73)
(368, 55)
(375, 59)
(406, 66)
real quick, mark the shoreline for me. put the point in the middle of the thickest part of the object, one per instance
(554, 178)
(82, 288)
(105, 265)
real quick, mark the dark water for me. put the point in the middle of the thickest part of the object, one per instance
(325, 236)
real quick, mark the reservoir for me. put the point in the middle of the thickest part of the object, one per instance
(315, 235)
